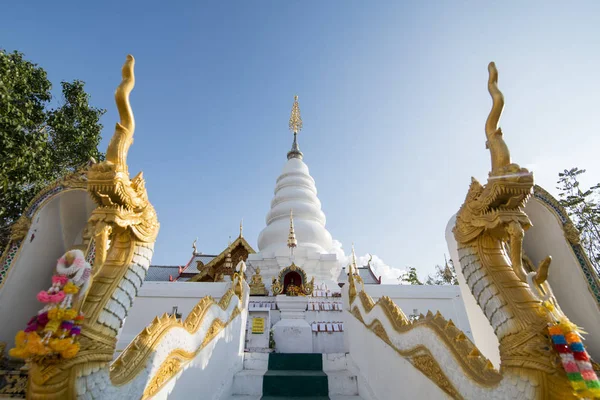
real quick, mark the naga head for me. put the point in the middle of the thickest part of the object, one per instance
(493, 206)
(122, 202)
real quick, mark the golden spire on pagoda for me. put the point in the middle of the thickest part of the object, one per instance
(295, 118)
(295, 126)
(242, 228)
(292, 242)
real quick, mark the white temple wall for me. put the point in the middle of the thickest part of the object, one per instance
(55, 228)
(324, 267)
(209, 376)
(448, 300)
(156, 298)
(568, 282)
(379, 367)
(482, 332)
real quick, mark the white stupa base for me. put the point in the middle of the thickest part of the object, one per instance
(292, 333)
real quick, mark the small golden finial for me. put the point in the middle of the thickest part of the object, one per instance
(292, 242)
(295, 118)
(195, 250)
(242, 228)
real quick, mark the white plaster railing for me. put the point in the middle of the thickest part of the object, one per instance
(174, 359)
(378, 366)
(209, 375)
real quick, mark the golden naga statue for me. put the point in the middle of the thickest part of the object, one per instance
(125, 227)
(520, 306)
(538, 343)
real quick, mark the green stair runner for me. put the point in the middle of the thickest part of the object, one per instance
(295, 376)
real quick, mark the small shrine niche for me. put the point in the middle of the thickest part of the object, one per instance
(292, 281)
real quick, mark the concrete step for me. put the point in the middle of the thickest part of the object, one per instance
(295, 383)
(295, 362)
(342, 383)
(256, 361)
(248, 382)
(335, 362)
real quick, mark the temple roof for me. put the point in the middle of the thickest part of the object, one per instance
(162, 273)
(365, 272)
(239, 246)
(171, 273)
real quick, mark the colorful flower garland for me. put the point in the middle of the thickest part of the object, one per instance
(566, 340)
(575, 360)
(53, 332)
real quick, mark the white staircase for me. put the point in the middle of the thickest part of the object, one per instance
(247, 384)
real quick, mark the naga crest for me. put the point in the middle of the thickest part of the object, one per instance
(493, 206)
(122, 202)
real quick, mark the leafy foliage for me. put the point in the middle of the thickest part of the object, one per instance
(39, 144)
(583, 208)
(445, 275)
(410, 277)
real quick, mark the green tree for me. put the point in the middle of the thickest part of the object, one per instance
(445, 275)
(583, 208)
(410, 277)
(39, 144)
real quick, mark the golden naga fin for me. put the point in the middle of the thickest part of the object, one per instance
(495, 142)
(123, 137)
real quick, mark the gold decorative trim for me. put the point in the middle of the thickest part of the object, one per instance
(177, 359)
(420, 357)
(133, 359)
(168, 369)
(20, 228)
(466, 354)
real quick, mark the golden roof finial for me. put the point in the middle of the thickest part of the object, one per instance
(292, 242)
(295, 118)
(195, 250)
(295, 126)
(242, 228)
(495, 143)
(353, 256)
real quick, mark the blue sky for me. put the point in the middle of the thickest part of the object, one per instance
(393, 97)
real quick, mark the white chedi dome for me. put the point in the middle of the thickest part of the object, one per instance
(295, 190)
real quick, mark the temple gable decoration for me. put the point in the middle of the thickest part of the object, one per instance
(292, 281)
(221, 265)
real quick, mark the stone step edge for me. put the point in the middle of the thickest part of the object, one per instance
(331, 361)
